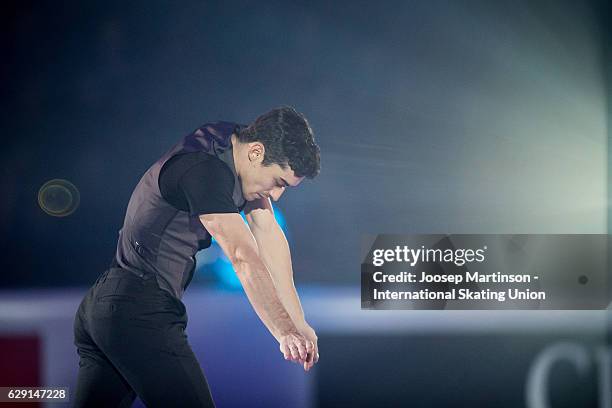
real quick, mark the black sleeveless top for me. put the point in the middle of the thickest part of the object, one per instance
(162, 232)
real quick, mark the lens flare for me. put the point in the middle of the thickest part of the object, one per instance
(58, 197)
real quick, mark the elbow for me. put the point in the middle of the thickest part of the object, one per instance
(243, 258)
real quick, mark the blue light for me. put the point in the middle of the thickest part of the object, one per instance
(280, 219)
(224, 272)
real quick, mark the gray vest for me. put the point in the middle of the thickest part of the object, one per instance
(159, 240)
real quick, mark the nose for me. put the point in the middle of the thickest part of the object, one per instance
(276, 193)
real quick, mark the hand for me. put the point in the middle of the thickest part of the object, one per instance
(310, 335)
(296, 347)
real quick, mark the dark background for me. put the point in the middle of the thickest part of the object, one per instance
(441, 116)
(432, 116)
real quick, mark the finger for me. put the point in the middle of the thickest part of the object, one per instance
(310, 357)
(315, 352)
(287, 352)
(309, 346)
(294, 351)
(305, 363)
(302, 350)
(309, 361)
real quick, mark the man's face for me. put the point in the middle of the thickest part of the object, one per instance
(267, 181)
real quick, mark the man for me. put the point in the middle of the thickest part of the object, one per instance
(130, 327)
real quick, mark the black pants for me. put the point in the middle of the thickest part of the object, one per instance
(131, 340)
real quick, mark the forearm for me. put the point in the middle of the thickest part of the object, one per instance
(275, 253)
(260, 290)
(240, 246)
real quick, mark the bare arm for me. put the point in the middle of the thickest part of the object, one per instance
(240, 247)
(275, 253)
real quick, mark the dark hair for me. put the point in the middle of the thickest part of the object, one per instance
(288, 141)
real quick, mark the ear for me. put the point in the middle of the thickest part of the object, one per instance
(256, 152)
